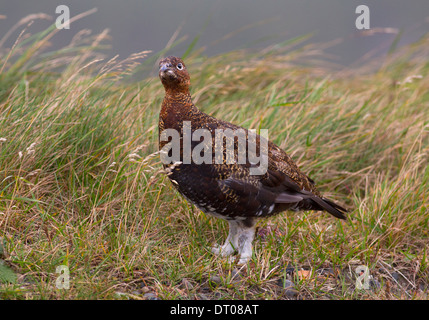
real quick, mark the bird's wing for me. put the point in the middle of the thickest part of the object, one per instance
(282, 171)
(281, 190)
(283, 182)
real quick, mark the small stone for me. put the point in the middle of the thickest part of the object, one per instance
(202, 296)
(145, 289)
(395, 275)
(383, 270)
(374, 284)
(215, 279)
(235, 275)
(121, 295)
(289, 289)
(150, 296)
(218, 295)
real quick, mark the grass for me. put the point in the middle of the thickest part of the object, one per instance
(81, 183)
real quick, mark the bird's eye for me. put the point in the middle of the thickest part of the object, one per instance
(180, 66)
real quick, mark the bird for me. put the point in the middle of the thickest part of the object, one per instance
(228, 190)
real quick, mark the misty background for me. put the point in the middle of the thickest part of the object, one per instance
(225, 25)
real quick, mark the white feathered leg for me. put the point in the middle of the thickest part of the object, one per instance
(231, 242)
(240, 237)
(246, 235)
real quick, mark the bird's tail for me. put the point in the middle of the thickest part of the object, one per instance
(329, 206)
(305, 200)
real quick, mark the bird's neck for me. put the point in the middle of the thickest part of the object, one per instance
(177, 102)
(176, 96)
(177, 107)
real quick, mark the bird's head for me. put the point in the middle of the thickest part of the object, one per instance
(173, 74)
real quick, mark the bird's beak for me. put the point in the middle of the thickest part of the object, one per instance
(164, 67)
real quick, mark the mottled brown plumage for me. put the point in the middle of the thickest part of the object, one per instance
(225, 190)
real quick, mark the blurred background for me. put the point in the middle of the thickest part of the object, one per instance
(218, 26)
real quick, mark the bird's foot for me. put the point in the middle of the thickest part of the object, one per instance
(224, 251)
(243, 261)
(227, 251)
(245, 256)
